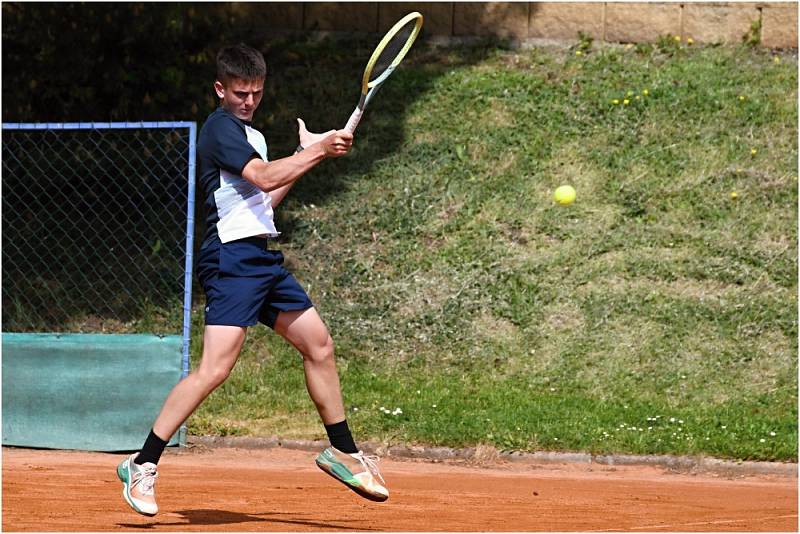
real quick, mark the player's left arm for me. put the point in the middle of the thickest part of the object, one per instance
(306, 139)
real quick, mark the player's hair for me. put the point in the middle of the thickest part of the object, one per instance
(240, 62)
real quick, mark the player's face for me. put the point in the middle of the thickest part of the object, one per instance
(240, 97)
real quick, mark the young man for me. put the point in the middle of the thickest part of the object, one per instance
(245, 282)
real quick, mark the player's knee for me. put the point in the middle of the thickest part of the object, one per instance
(215, 376)
(321, 353)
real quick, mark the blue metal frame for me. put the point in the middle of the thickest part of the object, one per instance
(192, 126)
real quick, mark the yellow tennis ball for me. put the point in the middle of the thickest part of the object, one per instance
(564, 195)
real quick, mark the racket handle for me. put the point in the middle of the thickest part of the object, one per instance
(355, 118)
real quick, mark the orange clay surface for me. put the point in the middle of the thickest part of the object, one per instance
(202, 489)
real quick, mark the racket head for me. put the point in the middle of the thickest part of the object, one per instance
(391, 50)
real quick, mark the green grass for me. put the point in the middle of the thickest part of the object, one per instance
(657, 314)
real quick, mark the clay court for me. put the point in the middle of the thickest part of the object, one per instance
(205, 489)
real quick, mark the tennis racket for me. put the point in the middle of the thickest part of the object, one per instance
(386, 57)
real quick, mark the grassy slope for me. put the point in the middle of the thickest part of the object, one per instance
(655, 315)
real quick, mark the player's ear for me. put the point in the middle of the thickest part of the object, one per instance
(219, 89)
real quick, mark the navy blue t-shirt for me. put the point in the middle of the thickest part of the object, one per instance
(235, 207)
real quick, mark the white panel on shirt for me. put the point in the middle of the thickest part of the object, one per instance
(244, 210)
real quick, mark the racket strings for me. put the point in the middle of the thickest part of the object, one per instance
(392, 50)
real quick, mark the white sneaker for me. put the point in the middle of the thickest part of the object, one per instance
(357, 471)
(138, 483)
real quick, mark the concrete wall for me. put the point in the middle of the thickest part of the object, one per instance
(705, 22)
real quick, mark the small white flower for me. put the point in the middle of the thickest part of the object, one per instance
(417, 392)
(649, 428)
(680, 421)
(762, 440)
(552, 389)
(433, 406)
(671, 419)
(724, 427)
(772, 434)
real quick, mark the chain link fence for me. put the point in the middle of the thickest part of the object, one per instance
(97, 227)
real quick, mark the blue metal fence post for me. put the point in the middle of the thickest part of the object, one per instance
(187, 281)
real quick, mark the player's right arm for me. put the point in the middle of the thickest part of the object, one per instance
(271, 175)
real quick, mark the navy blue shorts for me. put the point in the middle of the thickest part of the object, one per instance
(246, 283)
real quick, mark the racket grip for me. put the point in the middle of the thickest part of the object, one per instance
(355, 118)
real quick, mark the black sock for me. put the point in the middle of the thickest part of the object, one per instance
(151, 451)
(340, 437)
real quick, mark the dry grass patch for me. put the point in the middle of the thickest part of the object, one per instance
(498, 115)
(562, 317)
(484, 455)
(496, 329)
(424, 292)
(290, 426)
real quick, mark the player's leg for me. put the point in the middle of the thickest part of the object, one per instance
(138, 472)
(221, 348)
(306, 331)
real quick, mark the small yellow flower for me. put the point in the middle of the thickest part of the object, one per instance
(578, 53)
(690, 41)
(630, 93)
(741, 98)
(677, 38)
(645, 92)
(615, 101)
(753, 151)
(739, 170)
(734, 195)
(776, 59)
(638, 97)
(628, 46)
(626, 101)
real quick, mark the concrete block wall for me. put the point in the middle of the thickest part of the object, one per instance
(705, 22)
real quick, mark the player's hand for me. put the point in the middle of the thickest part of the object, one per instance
(308, 138)
(337, 144)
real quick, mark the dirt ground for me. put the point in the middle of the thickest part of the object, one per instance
(204, 489)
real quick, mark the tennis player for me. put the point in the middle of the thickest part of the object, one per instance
(245, 282)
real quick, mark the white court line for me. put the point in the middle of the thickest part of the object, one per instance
(720, 522)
